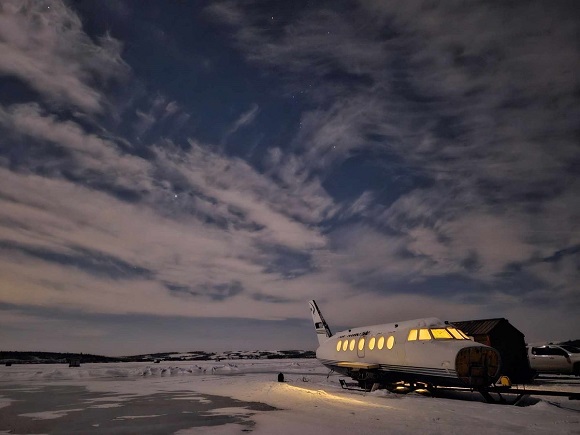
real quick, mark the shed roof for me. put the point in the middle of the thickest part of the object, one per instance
(478, 327)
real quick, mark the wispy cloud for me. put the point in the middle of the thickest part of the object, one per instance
(158, 115)
(42, 43)
(244, 119)
(171, 239)
(493, 143)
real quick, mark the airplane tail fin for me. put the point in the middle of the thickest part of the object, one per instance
(322, 329)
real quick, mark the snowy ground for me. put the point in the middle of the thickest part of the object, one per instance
(243, 396)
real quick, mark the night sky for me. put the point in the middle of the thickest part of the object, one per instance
(186, 175)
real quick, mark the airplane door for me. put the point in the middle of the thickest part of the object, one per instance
(360, 347)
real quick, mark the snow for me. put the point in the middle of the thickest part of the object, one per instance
(49, 415)
(133, 417)
(106, 405)
(308, 402)
(226, 429)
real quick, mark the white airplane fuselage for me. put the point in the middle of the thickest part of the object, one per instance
(425, 350)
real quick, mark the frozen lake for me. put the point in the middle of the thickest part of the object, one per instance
(243, 396)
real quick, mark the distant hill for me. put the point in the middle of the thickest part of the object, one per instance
(575, 343)
(204, 356)
(53, 358)
(16, 357)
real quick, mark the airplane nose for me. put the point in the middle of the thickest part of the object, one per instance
(477, 366)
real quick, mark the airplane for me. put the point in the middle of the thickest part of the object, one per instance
(411, 355)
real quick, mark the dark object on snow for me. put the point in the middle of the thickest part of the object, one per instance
(8, 364)
(74, 363)
(280, 377)
(507, 340)
(349, 385)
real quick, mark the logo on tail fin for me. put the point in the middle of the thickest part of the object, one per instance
(322, 330)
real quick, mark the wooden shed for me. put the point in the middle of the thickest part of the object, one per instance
(507, 340)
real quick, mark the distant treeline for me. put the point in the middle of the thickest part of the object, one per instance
(53, 357)
(17, 357)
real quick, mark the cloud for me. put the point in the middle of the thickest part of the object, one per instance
(144, 122)
(205, 226)
(42, 44)
(95, 263)
(215, 292)
(157, 116)
(244, 119)
(81, 156)
(483, 111)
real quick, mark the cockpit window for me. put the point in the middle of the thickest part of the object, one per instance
(464, 334)
(456, 334)
(440, 333)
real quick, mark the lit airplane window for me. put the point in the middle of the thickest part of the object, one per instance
(390, 342)
(344, 345)
(440, 333)
(381, 342)
(351, 345)
(455, 333)
(372, 343)
(412, 335)
(338, 345)
(361, 343)
(464, 334)
(424, 334)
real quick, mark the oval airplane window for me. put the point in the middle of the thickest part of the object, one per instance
(344, 345)
(351, 344)
(338, 345)
(381, 342)
(390, 342)
(361, 343)
(372, 343)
